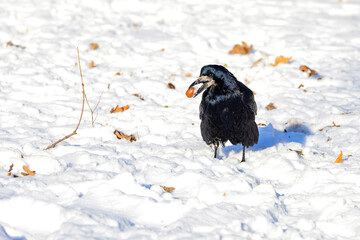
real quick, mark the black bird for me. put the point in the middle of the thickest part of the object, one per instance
(227, 109)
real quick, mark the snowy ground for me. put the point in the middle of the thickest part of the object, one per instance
(94, 186)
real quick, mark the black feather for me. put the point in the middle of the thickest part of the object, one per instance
(227, 110)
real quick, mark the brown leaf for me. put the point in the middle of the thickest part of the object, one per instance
(10, 44)
(188, 75)
(92, 64)
(9, 174)
(261, 124)
(339, 158)
(300, 153)
(27, 170)
(281, 59)
(311, 72)
(168, 189)
(24, 174)
(137, 95)
(121, 135)
(301, 85)
(117, 74)
(94, 46)
(256, 63)
(270, 106)
(241, 49)
(11, 168)
(171, 86)
(119, 109)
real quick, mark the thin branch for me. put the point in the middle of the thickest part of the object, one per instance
(82, 109)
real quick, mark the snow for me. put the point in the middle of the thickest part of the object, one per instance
(95, 186)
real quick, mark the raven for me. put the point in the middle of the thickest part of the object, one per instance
(227, 109)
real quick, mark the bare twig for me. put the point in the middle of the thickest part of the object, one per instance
(82, 109)
(91, 110)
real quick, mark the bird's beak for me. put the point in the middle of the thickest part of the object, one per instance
(205, 80)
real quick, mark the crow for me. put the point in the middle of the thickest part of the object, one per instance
(227, 109)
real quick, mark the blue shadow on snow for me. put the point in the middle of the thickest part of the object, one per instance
(269, 137)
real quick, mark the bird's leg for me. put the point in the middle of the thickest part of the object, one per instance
(243, 158)
(216, 145)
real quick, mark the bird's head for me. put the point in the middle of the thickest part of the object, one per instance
(211, 76)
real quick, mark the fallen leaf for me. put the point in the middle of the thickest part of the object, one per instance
(162, 50)
(241, 49)
(339, 158)
(300, 153)
(173, 75)
(117, 74)
(11, 167)
(119, 109)
(261, 124)
(92, 64)
(168, 189)
(10, 44)
(281, 59)
(28, 172)
(94, 46)
(311, 72)
(24, 174)
(137, 95)
(224, 194)
(188, 75)
(270, 106)
(171, 86)
(256, 63)
(9, 174)
(121, 135)
(301, 85)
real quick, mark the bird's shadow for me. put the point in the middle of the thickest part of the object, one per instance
(269, 137)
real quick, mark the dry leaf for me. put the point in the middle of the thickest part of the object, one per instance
(311, 72)
(339, 158)
(224, 194)
(270, 106)
(300, 153)
(173, 75)
(117, 74)
(241, 49)
(11, 168)
(119, 109)
(162, 50)
(171, 86)
(281, 59)
(121, 135)
(261, 124)
(24, 174)
(92, 64)
(9, 174)
(10, 44)
(188, 75)
(94, 46)
(301, 85)
(256, 63)
(28, 172)
(137, 95)
(168, 189)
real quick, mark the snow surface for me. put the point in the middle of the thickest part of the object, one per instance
(94, 186)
